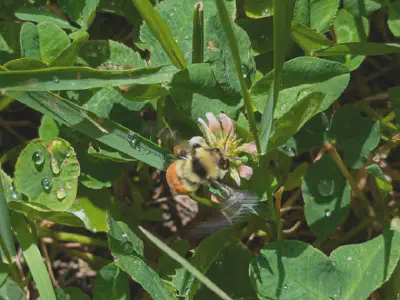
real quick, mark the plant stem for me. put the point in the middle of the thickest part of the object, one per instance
(198, 34)
(278, 197)
(71, 237)
(346, 174)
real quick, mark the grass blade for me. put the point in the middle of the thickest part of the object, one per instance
(5, 226)
(196, 273)
(198, 34)
(282, 21)
(80, 78)
(110, 133)
(32, 256)
(226, 23)
(162, 32)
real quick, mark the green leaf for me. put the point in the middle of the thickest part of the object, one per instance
(54, 181)
(355, 135)
(289, 123)
(382, 183)
(229, 52)
(111, 283)
(69, 55)
(327, 197)
(316, 14)
(110, 55)
(259, 9)
(53, 41)
(394, 94)
(4, 270)
(307, 38)
(330, 78)
(48, 129)
(296, 270)
(127, 250)
(98, 173)
(11, 290)
(186, 265)
(391, 289)
(24, 64)
(296, 177)
(91, 207)
(394, 18)
(81, 12)
(234, 260)
(204, 256)
(10, 46)
(167, 265)
(196, 92)
(79, 78)
(71, 293)
(32, 256)
(109, 133)
(260, 32)
(38, 212)
(362, 48)
(361, 8)
(313, 134)
(36, 15)
(350, 28)
(29, 39)
(161, 31)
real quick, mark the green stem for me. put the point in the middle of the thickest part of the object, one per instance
(198, 34)
(226, 24)
(346, 174)
(71, 237)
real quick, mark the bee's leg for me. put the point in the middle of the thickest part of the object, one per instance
(224, 189)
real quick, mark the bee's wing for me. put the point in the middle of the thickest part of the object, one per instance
(236, 204)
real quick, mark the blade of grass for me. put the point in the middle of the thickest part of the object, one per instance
(362, 48)
(110, 133)
(196, 273)
(80, 78)
(282, 20)
(198, 34)
(162, 32)
(5, 227)
(32, 257)
(226, 23)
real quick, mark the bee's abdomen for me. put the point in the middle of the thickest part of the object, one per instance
(198, 168)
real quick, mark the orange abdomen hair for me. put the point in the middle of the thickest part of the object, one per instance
(173, 179)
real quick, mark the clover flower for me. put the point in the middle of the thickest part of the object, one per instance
(221, 134)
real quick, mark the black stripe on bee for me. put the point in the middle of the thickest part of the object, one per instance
(198, 168)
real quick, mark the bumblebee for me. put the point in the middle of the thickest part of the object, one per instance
(197, 166)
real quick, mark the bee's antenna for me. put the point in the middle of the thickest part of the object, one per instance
(227, 137)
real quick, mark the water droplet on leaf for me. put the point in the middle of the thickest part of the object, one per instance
(56, 79)
(131, 137)
(285, 286)
(328, 213)
(55, 167)
(326, 187)
(61, 193)
(349, 258)
(46, 184)
(38, 158)
(124, 235)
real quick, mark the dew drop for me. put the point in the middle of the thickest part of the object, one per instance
(187, 37)
(61, 193)
(94, 54)
(131, 137)
(68, 154)
(285, 286)
(326, 187)
(55, 167)
(99, 47)
(46, 184)
(56, 79)
(334, 264)
(124, 235)
(328, 213)
(116, 259)
(349, 258)
(38, 158)
(13, 192)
